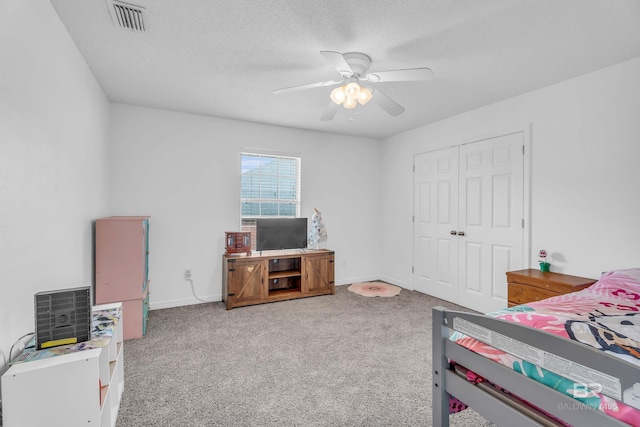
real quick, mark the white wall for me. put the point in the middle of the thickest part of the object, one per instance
(53, 175)
(184, 171)
(585, 188)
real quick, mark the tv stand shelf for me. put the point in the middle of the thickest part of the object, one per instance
(281, 274)
(276, 276)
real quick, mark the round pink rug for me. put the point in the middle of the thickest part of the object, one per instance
(375, 289)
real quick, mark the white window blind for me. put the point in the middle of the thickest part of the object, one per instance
(270, 186)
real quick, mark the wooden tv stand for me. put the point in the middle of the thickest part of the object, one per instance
(276, 276)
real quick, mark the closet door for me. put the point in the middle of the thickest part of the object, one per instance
(490, 214)
(468, 213)
(435, 243)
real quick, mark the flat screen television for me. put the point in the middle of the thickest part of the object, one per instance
(281, 233)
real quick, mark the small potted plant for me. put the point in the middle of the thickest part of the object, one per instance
(544, 265)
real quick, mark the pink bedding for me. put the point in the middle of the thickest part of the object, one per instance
(605, 316)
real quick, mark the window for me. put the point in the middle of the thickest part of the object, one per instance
(270, 188)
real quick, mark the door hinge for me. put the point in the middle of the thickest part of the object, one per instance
(413, 168)
(522, 222)
(232, 295)
(523, 150)
(412, 268)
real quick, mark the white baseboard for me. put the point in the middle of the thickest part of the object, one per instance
(157, 305)
(356, 280)
(403, 285)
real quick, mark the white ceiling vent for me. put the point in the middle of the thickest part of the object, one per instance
(126, 15)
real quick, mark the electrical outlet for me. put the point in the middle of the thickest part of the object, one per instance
(187, 273)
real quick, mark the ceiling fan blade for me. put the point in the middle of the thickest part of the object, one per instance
(330, 112)
(409, 75)
(386, 103)
(307, 86)
(337, 60)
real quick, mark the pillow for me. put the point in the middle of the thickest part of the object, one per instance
(619, 279)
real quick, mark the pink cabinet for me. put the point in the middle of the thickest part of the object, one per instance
(122, 269)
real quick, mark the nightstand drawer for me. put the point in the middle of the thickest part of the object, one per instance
(522, 294)
(531, 285)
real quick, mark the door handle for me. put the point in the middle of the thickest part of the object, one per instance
(460, 233)
(453, 232)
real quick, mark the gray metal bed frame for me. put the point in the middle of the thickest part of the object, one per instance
(503, 412)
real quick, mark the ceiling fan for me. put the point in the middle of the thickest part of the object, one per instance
(353, 88)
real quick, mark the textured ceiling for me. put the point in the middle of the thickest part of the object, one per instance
(224, 58)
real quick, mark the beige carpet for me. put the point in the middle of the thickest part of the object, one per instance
(374, 289)
(326, 361)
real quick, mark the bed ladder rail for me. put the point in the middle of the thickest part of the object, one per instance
(445, 382)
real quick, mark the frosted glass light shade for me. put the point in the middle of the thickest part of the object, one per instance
(365, 95)
(352, 90)
(350, 103)
(337, 95)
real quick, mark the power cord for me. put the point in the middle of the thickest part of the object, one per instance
(193, 291)
(17, 341)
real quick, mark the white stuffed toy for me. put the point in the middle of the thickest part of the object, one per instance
(318, 233)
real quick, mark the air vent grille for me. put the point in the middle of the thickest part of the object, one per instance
(127, 16)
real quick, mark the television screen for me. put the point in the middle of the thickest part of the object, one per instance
(281, 233)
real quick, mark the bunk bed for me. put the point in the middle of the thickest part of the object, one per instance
(568, 360)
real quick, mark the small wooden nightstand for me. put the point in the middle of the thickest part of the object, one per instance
(534, 285)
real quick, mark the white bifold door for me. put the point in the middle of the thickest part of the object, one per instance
(469, 221)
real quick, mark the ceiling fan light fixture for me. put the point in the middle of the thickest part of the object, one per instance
(352, 90)
(354, 67)
(350, 95)
(337, 95)
(350, 103)
(365, 95)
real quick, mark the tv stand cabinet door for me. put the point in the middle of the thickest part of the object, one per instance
(318, 274)
(246, 282)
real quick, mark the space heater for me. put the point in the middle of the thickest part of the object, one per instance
(62, 317)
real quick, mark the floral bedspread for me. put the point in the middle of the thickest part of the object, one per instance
(605, 316)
